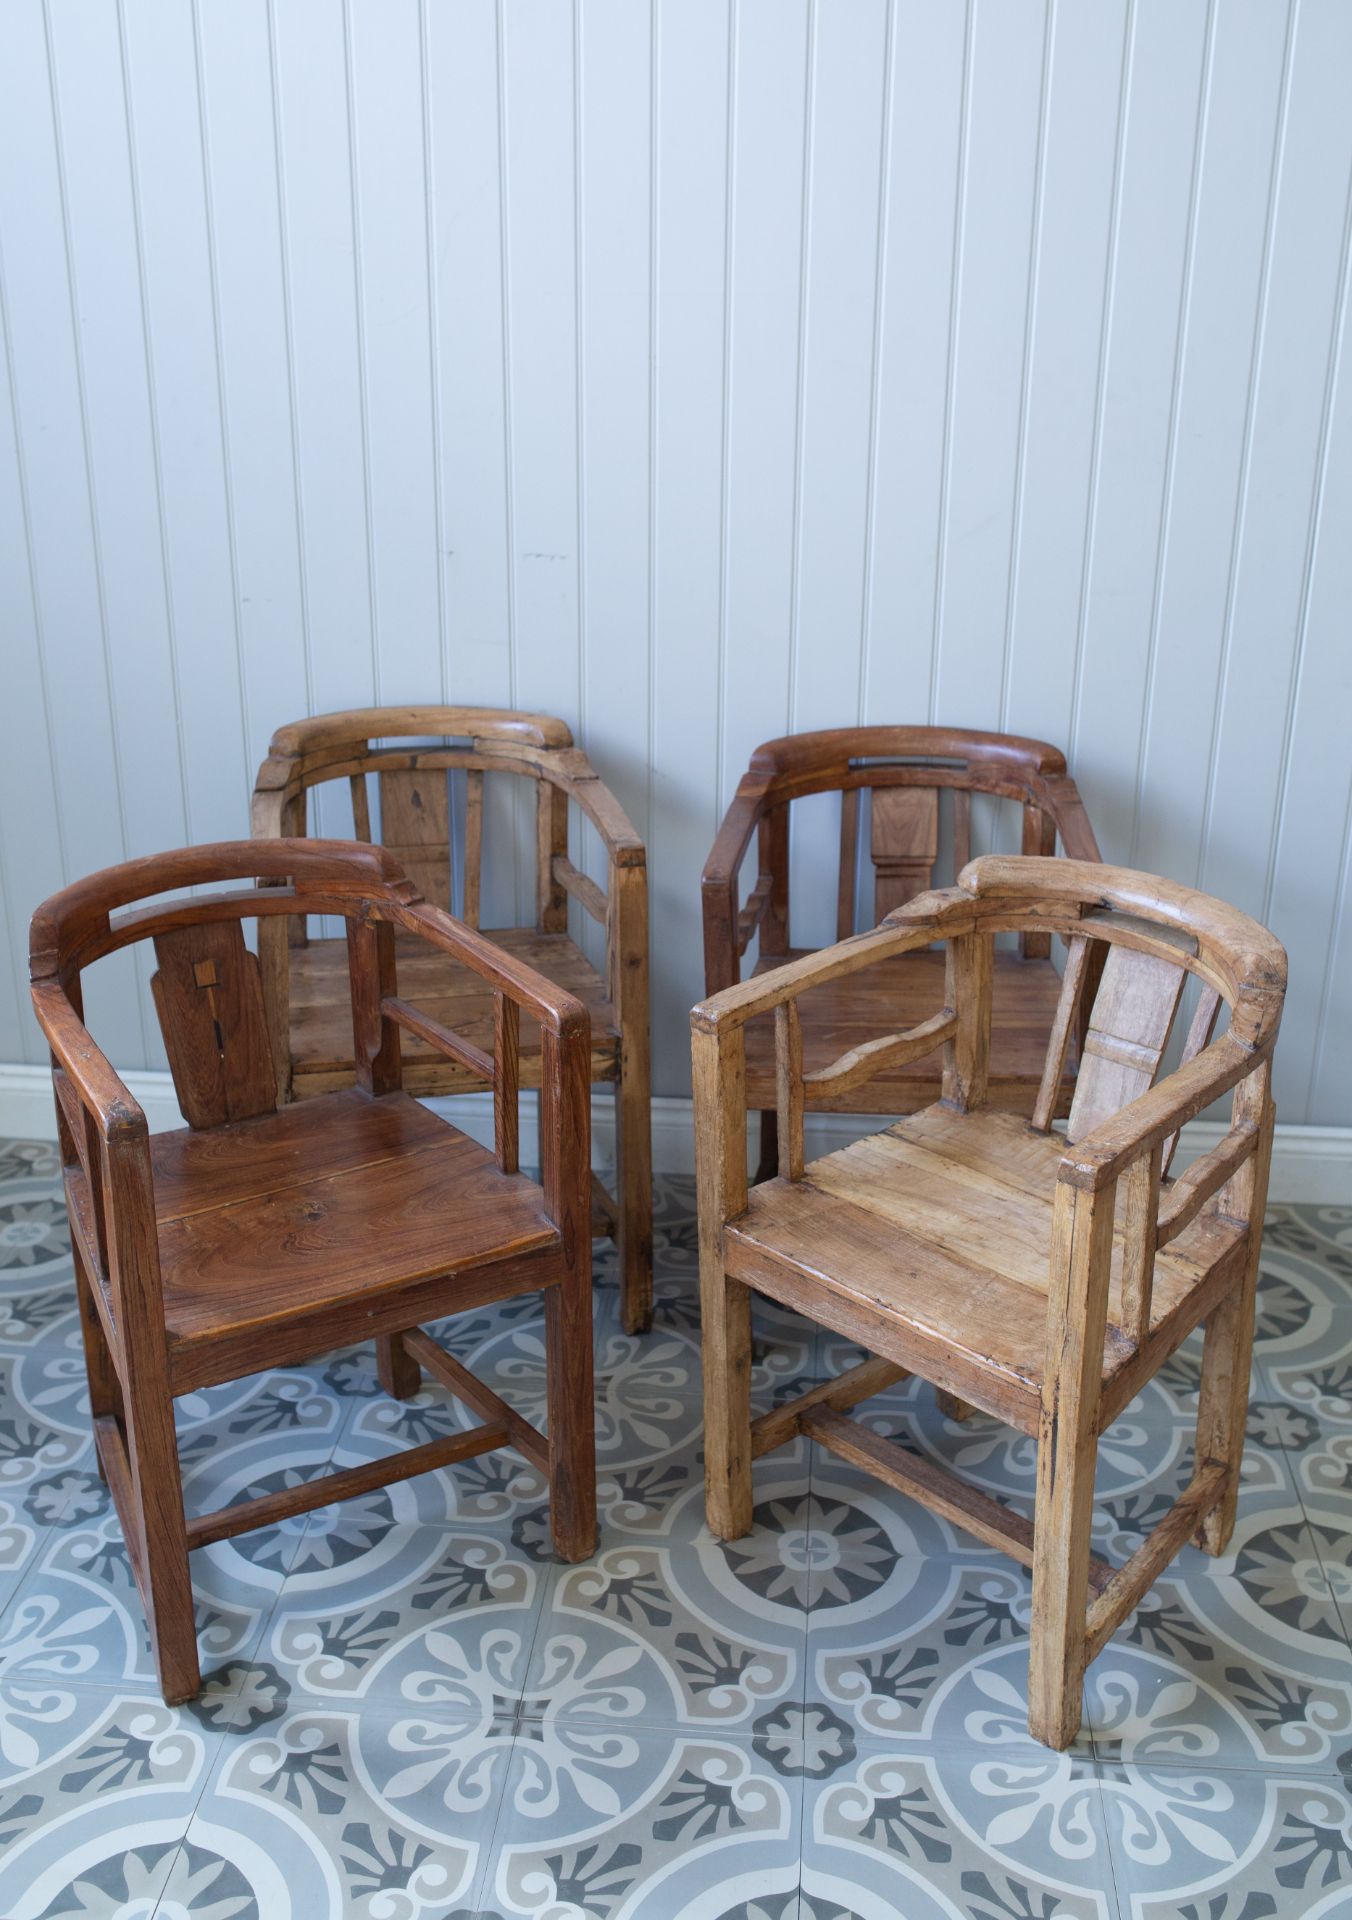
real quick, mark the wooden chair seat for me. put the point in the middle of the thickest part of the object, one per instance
(297, 1194)
(901, 992)
(936, 1232)
(321, 1011)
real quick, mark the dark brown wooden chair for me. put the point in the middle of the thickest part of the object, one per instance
(1043, 1279)
(257, 1237)
(904, 771)
(305, 981)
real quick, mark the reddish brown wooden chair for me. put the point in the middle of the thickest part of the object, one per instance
(1040, 1278)
(904, 771)
(305, 981)
(257, 1237)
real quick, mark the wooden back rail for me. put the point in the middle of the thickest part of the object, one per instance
(1121, 1124)
(414, 800)
(905, 770)
(104, 1138)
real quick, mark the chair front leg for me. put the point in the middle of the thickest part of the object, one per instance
(565, 1150)
(1067, 1453)
(627, 934)
(719, 1072)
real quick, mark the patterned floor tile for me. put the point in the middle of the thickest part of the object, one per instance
(649, 1636)
(96, 1792)
(602, 1822)
(1195, 1844)
(414, 1712)
(325, 1814)
(1017, 1835)
(933, 1655)
(1204, 1672)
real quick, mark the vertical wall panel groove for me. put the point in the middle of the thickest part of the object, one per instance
(695, 371)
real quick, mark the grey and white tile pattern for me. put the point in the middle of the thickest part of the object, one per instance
(413, 1712)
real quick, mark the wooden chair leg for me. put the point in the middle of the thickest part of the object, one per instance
(399, 1373)
(572, 1429)
(1223, 1406)
(768, 1165)
(634, 1181)
(1067, 1453)
(157, 1490)
(1227, 1354)
(725, 1316)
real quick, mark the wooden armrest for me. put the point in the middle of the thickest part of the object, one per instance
(1184, 1200)
(1102, 1155)
(101, 1091)
(561, 1012)
(902, 932)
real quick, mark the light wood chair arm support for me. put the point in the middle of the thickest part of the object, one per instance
(1103, 1155)
(580, 885)
(1186, 1197)
(101, 1092)
(581, 783)
(910, 927)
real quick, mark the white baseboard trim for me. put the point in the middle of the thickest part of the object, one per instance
(1308, 1163)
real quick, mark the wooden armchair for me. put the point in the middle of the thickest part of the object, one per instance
(1042, 1279)
(904, 770)
(257, 1237)
(305, 981)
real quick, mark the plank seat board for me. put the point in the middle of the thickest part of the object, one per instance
(194, 1171)
(293, 1195)
(321, 1015)
(942, 1223)
(897, 994)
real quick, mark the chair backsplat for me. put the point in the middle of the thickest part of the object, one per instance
(415, 827)
(209, 996)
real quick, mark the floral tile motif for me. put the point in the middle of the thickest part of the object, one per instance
(603, 1822)
(414, 1712)
(1201, 1674)
(970, 1831)
(96, 1791)
(661, 1637)
(385, 1814)
(1195, 1844)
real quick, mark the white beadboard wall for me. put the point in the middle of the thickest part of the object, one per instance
(698, 372)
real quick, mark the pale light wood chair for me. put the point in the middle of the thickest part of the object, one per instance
(257, 1237)
(305, 979)
(902, 773)
(1040, 1278)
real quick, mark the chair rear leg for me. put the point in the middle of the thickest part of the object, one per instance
(399, 1373)
(1224, 1405)
(572, 1429)
(634, 1179)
